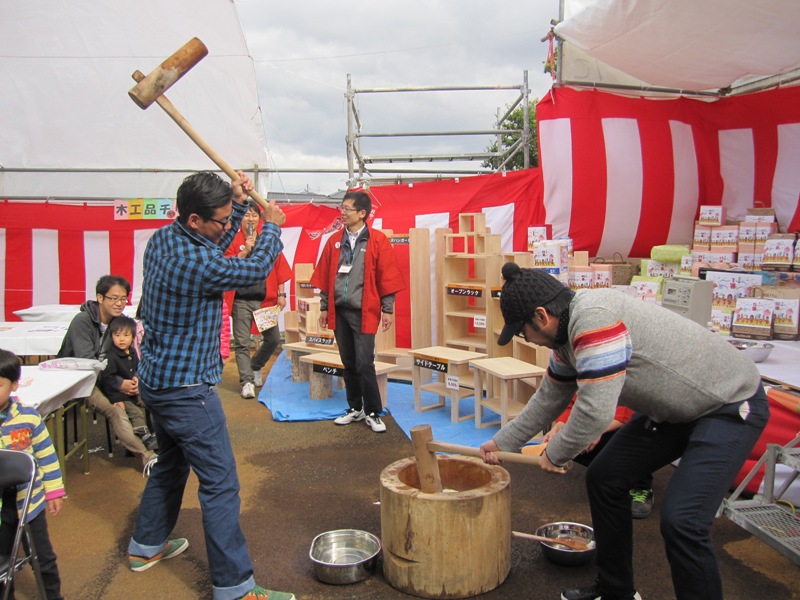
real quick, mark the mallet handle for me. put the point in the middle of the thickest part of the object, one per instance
(526, 459)
(181, 121)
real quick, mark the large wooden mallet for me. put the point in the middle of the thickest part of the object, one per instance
(151, 89)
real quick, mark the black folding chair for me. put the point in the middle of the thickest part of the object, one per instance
(18, 468)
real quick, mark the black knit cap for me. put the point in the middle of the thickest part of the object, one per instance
(524, 291)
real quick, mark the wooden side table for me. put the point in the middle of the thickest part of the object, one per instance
(447, 362)
(506, 372)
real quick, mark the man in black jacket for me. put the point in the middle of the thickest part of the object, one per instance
(87, 337)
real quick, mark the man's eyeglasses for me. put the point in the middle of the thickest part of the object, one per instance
(521, 332)
(116, 299)
(347, 209)
(223, 222)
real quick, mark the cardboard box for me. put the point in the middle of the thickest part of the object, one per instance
(724, 238)
(551, 256)
(779, 252)
(786, 321)
(686, 265)
(648, 287)
(721, 321)
(711, 215)
(750, 261)
(764, 230)
(654, 268)
(752, 318)
(603, 275)
(747, 237)
(729, 286)
(796, 262)
(760, 215)
(702, 238)
(581, 277)
(539, 233)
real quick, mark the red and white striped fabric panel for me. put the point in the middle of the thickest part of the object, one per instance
(54, 253)
(623, 174)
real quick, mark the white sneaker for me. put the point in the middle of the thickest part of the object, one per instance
(351, 415)
(258, 380)
(374, 421)
(248, 390)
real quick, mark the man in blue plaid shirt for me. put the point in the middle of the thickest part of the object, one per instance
(185, 274)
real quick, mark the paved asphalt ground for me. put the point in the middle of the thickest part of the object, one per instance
(301, 479)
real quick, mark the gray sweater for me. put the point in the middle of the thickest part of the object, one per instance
(638, 354)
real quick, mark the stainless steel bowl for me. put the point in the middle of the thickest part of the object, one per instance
(344, 556)
(757, 351)
(561, 554)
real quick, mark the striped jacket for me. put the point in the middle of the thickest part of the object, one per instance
(24, 430)
(621, 351)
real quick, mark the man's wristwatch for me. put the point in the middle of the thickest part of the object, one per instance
(281, 295)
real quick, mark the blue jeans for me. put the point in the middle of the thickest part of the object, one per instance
(711, 449)
(192, 433)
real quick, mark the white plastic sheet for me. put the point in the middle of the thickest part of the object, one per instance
(66, 68)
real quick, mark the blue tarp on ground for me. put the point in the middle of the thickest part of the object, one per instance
(289, 401)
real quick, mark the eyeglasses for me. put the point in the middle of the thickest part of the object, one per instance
(521, 332)
(347, 209)
(116, 299)
(223, 222)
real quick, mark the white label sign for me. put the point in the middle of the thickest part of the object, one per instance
(451, 381)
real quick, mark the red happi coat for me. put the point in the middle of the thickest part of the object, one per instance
(382, 276)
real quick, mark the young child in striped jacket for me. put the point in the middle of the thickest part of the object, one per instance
(21, 428)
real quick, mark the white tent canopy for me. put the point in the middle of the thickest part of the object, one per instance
(691, 45)
(67, 126)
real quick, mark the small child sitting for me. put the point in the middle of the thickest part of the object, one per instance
(119, 381)
(21, 428)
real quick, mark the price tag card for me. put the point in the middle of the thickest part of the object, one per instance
(451, 382)
(479, 321)
(428, 363)
(327, 370)
(320, 339)
(465, 290)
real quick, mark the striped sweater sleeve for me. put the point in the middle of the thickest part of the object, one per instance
(601, 355)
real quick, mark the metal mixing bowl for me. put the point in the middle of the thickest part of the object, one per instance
(757, 351)
(344, 556)
(561, 554)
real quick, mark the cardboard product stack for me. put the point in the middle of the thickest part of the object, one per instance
(756, 295)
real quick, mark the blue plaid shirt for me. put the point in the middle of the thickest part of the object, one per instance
(184, 277)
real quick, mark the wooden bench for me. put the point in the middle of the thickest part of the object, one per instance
(299, 349)
(506, 372)
(324, 366)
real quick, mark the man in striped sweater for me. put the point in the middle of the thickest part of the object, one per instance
(696, 397)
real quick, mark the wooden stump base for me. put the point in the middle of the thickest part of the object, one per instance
(451, 544)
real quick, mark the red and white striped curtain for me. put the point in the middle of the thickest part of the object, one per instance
(623, 174)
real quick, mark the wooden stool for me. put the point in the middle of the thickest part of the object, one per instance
(299, 349)
(323, 366)
(508, 371)
(448, 362)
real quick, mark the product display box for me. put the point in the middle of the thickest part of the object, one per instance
(721, 321)
(778, 252)
(747, 237)
(539, 233)
(730, 286)
(551, 256)
(603, 274)
(711, 215)
(752, 318)
(654, 268)
(725, 238)
(581, 277)
(702, 238)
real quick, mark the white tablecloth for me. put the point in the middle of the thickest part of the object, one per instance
(58, 312)
(783, 364)
(32, 339)
(46, 390)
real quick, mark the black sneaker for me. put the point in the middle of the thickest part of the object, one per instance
(592, 592)
(641, 503)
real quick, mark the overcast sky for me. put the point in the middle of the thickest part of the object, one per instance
(303, 51)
